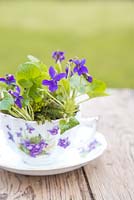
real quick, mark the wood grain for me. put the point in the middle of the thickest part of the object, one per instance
(110, 177)
(68, 186)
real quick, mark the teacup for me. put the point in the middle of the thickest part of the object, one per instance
(41, 144)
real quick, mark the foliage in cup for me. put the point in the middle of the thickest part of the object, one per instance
(37, 92)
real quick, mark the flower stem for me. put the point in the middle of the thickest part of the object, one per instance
(55, 99)
(20, 113)
(60, 67)
(69, 70)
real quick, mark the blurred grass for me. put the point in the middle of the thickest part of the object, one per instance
(101, 32)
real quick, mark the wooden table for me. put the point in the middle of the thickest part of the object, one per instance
(110, 177)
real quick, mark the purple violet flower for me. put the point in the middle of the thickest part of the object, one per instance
(54, 131)
(10, 136)
(53, 84)
(17, 97)
(64, 142)
(89, 79)
(79, 67)
(29, 128)
(9, 79)
(58, 56)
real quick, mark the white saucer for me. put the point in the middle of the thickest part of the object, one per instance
(70, 160)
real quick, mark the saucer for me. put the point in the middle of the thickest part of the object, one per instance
(10, 160)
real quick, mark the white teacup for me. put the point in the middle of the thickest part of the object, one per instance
(40, 144)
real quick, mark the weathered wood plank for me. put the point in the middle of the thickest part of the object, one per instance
(111, 177)
(68, 186)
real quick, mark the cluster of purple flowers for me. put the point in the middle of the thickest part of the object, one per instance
(55, 77)
(34, 149)
(79, 68)
(10, 81)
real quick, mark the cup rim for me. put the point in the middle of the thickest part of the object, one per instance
(28, 121)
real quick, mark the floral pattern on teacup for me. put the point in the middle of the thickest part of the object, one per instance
(84, 150)
(34, 144)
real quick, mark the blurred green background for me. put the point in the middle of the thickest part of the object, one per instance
(101, 32)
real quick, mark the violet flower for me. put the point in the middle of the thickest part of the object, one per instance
(53, 84)
(58, 56)
(54, 131)
(64, 142)
(9, 79)
(89, 79)
(79, 67)
(17, 97)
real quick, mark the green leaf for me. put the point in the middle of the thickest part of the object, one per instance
(30, 73)
(22, 148)
(27, 71)
(6, 102)
(96, 89)
(34, 93)
(3, 85)
(67, 124)
(43, 68)
(25, 83)
(35, 139)
(78, 83)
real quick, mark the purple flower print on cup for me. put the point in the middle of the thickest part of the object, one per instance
(54, 130)
(19, 134)
(29, 128)
(93, 145)
(64, 142)
(34, 149)
(8, 127)
(10, 136)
